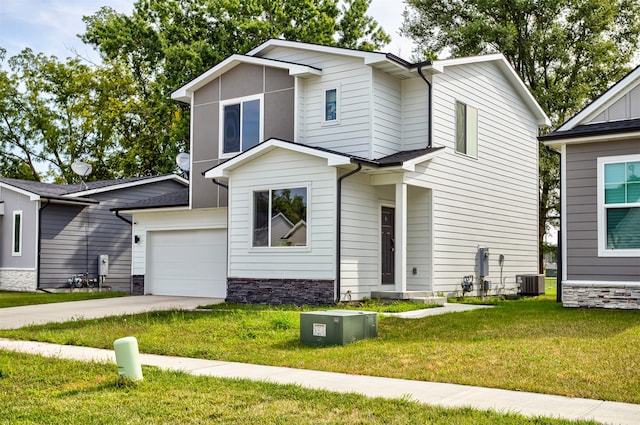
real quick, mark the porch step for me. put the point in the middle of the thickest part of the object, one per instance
(429, 300)
(401, 295)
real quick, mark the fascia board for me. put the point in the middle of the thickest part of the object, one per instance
(411, 164)
(32, 196)
(175, 177)
(184, 93)
(592, 139)
(222, 170)
(369, 57)
(609, 97)
(542, 118)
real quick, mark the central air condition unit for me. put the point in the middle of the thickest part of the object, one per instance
(337, 327)
(530, 284)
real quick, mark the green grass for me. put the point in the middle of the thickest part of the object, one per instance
(16, 299)
(532, 344)
(38, 390)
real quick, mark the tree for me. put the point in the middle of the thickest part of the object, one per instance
(566, 51)
(53, 113)
(166, 43)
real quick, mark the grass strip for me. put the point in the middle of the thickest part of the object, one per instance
(35, 390)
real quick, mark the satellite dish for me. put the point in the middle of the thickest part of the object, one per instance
(81, 168)
(184, 161)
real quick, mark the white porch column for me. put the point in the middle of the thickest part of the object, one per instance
(401, 238)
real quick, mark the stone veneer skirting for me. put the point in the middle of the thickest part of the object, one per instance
(280, 291)
(18, 280)
(609, 295)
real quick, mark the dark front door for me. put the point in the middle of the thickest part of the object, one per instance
(387, 243)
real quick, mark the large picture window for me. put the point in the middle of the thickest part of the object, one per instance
(280, 217)
(619, 205)
(466, 129)
(16, 240)
(241, 124)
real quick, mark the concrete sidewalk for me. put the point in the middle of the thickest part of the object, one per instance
(437, 394)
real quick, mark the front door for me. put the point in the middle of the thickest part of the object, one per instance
(387, 243)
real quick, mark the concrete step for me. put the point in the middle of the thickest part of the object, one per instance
(429, 300)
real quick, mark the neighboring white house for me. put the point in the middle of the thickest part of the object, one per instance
(600, 199)
(391, 174)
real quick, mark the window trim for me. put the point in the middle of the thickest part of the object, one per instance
(14, 252)
(336, 121)
(234, 101)
(467, 120)
(603, 251)
(270, 189)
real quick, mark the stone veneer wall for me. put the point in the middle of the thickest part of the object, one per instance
(615, 296)
(137, 281)
(18, 280)
(280, 291)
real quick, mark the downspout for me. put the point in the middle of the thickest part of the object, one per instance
(39, 243)
(339, 227)
(429, 119)
(123, 218)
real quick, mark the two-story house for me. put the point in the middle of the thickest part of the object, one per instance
(323, 174)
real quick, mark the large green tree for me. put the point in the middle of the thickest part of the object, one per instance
(566, 51)
(53, 113)
(166, 43)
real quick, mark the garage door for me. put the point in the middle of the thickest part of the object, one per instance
(187, 263)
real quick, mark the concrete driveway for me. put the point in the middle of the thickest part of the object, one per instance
(17, 317)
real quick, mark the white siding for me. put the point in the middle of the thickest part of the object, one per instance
(387, 108)
(152, 220)
(415, 114)
(419, 250)
(491, 200)
(353, 79)
(280, 169)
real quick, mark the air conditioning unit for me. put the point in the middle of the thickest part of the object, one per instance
(530, 284)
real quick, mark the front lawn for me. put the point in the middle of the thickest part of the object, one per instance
(16, 299)
(530, 344)
(39, 390)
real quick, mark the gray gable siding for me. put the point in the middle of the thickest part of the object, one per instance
(583, 262)
(14, 201)
(73, 237)
(243, 80)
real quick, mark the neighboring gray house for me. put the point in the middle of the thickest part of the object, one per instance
(398, 173)
(600, 199)
(49, 232)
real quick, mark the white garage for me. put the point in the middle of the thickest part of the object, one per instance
(187, 263)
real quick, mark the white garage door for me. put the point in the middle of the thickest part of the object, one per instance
(187, 263)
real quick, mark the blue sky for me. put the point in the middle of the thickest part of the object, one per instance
(51, 26)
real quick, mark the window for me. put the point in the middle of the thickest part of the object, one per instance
(17, 234)
(619, 206)
(466, 130)
(331, 105)
(241, 124)
(280, 217)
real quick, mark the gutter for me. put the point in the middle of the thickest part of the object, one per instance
(123, 218)
(39, 249)
(429, 119)
(339, 227)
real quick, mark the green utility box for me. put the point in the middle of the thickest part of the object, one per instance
(337, 327)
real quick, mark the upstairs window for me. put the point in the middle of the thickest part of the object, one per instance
(240, 124)
(280, 217)
(331, 105)
(16, 245)
(619, 206)
(466, 129)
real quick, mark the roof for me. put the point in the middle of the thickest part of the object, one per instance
(603, 101)
(598, 129)
(407, 160)
(79, 192)
(179, 198)
(385, 62)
